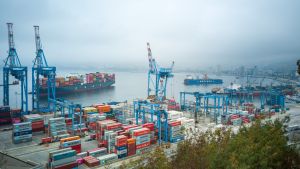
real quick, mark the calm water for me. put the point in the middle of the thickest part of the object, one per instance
(128, 86)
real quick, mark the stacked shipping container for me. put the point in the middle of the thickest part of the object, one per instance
(22, 132)
(142, 137)
(121, 146)
(5, 117)
(57, 128)
(175, 132)
(37, 122)
(62, 159)
(71, 142)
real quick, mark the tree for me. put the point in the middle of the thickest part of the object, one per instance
(260, 146)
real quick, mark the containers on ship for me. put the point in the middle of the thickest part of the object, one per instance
(22, 132)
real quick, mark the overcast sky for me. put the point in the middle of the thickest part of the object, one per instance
(193, 33)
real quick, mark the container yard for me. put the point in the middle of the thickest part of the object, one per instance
(68, 135)
(48, 127)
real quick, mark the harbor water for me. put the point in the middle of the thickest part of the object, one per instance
(128, 86)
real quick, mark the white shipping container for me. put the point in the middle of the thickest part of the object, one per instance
(172, 114)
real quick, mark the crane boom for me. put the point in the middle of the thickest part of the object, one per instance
(152, 66)
(37, 38)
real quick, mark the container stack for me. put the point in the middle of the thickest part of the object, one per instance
(109, 114)
(142, 137)
(173, 115)
(245, 119)
(97, 152)
(92, 120)
(249, 107)
(106, 159)
(22, 132)
(107, 134)
(89, 110)
(120, 116)
(172, 105)
(5, 117)
(61, 159)
(80, 156)
(111, 139)
(131, 147)
(15, 115)
(150, 126)
(103, 109)
(189, 124)
(37, 122)
(71, 142)
(121, 146)
(91, 161)
(100, 128)
(57, 128)
(235, 119)
(175, 132)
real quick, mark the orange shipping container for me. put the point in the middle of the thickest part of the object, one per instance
(103, 109)
(131, 141)
(69, 139)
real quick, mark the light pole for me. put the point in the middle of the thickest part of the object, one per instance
(16, 93)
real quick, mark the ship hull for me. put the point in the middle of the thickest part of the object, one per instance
(202, 81)
(60, 90)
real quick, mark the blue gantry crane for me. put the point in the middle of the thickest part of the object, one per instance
(141, 107)
(14, 68)
(157, 77)
(41, 69)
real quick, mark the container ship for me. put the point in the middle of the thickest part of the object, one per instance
(189, 80)
(78, 83)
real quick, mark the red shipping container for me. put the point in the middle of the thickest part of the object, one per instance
(128, 127)
(131, 149)
(91, 161)
(79, 161)
(150, 126)
(121, 140)
(143, 145)
(5, 114)
(77, 148)
(46, 140)
(140, 132)
(113, 126)
(67, 166)
(175, 123)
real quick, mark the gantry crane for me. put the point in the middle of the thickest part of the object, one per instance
(13, 67)
(160, 79)
(41, 69)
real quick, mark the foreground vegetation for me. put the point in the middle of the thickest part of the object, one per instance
(260, 146)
